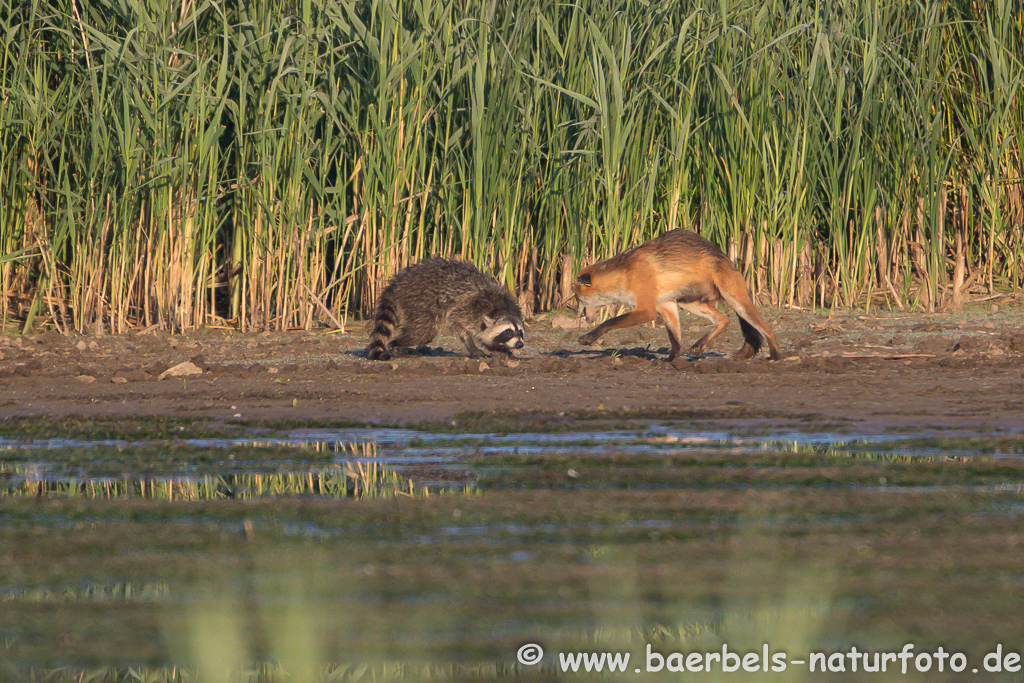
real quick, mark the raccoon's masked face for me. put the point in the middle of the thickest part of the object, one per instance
(502, 335)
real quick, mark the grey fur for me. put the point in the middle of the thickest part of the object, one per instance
(444, 293)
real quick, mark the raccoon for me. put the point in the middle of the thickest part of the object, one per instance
(443, 293)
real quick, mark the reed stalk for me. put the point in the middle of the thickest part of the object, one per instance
(271, 165)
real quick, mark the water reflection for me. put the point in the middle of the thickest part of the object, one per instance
(362, 476)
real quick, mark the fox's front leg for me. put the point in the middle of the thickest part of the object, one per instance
(670, 314)
(638, 316)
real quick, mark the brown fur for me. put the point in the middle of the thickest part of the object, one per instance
(445, 293)
(678, 268)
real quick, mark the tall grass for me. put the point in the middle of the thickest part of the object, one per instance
(269, 165)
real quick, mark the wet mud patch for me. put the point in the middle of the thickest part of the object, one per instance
(78, 426)
(730, 419)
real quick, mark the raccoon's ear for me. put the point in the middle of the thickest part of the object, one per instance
(584, 279)
(487, 322)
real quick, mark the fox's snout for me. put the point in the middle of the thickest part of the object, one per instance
(583, 311)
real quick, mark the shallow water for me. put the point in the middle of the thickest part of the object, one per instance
(334, 462)
(420, 546)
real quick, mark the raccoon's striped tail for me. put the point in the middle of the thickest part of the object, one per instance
(385, 320)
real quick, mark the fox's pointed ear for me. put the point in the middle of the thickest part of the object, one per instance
(584, 279)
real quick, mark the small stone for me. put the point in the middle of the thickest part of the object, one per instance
(85, 379)
(181, 370)
(564, 322)
(119, 380)
(81, 346)
(484, 366)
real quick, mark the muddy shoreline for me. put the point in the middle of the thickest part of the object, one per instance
(858, 373)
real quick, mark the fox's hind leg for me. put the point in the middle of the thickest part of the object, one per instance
(754, 328)
(708, 311)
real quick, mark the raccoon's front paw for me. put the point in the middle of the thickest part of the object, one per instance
(587, 339)
(378, 353)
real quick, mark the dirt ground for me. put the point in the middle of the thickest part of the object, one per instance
(863, 372)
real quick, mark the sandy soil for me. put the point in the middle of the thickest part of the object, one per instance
(862, 372)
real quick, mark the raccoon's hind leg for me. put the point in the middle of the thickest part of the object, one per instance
(415, 340)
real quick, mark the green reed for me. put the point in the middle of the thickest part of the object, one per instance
(270, 165)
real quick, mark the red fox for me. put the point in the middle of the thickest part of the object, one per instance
(678, 267)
